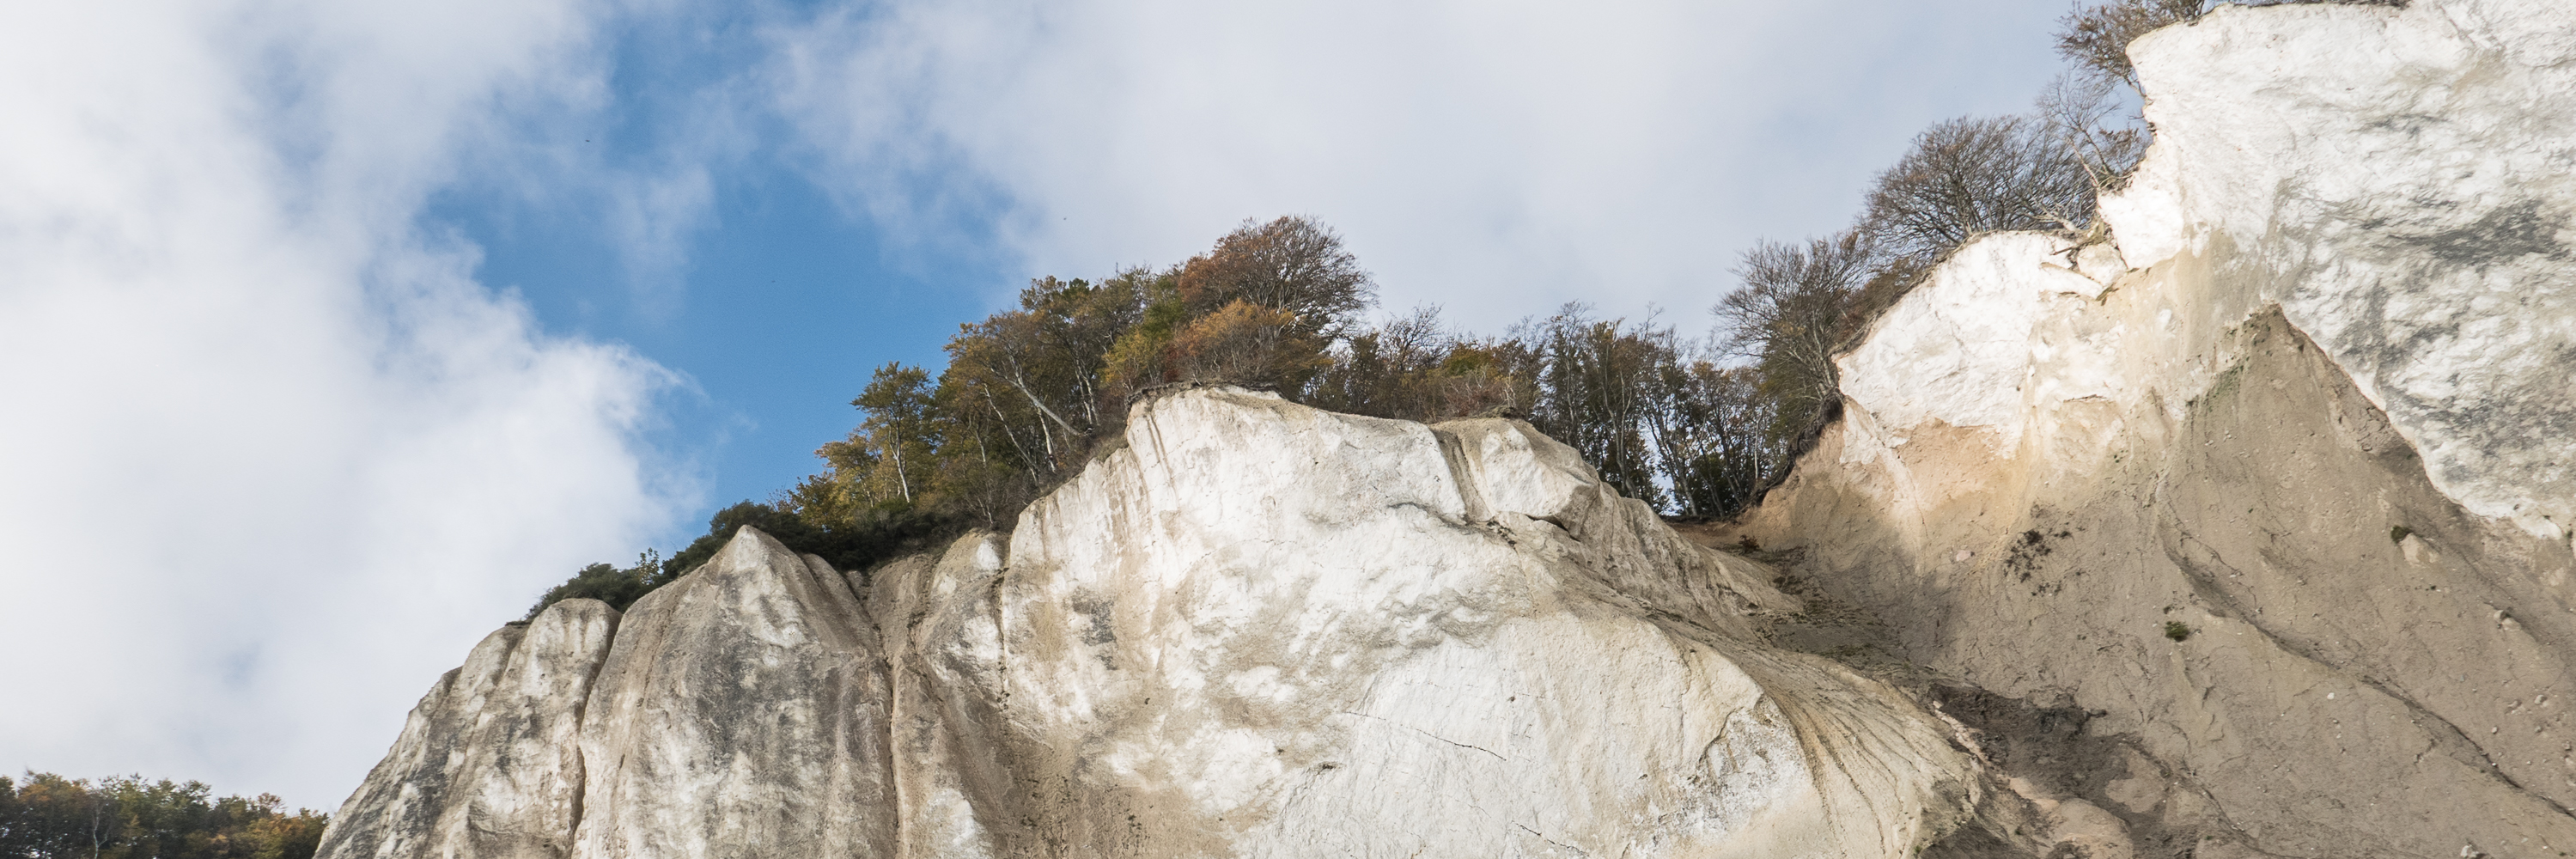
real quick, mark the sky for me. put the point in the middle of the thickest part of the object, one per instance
(333, 333)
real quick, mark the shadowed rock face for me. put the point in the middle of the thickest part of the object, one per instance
(1256, 630)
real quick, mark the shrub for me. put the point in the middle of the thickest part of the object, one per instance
(848, 547)
(1970, 176)
(1245, 344)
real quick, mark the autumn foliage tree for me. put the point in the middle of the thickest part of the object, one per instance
(1247, 344)
(46, 816)
(1030, 394)
(1696, 426)
(1293, 265)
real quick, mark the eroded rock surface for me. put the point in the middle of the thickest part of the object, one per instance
(1266, 630)
(488, 765)
(2267, 498)
(742, 711)
(1261, 630)
(2399, 181)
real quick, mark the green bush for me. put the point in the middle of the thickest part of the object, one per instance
(848, 548)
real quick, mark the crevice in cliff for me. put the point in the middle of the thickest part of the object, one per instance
(580, 722)
(1471, 496)
(1497, 755)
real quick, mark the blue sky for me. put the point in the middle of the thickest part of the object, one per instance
(339, 331)
(778, 291)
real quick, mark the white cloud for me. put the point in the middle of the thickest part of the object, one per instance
(273, 459)
(1496, 157)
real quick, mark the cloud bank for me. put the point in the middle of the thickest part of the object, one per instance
(274, 459)
(1499, 158)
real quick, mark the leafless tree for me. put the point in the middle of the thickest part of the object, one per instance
(1970, 176)
(2081, 112)
(1789, 313)
(2096, 35)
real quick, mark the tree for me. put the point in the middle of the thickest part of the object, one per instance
(1294, 264)
(1481, 376)
(2095, 36)
(2079, 111)
(1970, 176)
(1714, 440)
(46, 816)
(607, 583)
(1396, 370)
(1790, 314)
(1246, 344)
(1595, 390)
(897, 429)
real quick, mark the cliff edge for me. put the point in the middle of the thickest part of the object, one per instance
(2268, 497)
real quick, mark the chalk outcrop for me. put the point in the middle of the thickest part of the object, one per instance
(2267, 496)
(489, 764)
(741, 711)
(1254, 629)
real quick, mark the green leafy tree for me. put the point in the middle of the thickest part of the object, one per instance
(899, 431)
(608, 583)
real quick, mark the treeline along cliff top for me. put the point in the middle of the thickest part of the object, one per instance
(1698, 426)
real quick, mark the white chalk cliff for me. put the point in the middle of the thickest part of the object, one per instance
(2243, 531)
(2311, 409)
(1256, 629)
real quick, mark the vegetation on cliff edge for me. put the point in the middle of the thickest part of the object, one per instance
(1698, 427)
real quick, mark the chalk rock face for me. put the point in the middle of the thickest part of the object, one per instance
(1255, 629)
(2268, 497)
(487, 765)
(741, 712)
(1263, 630)
(2400, 183)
